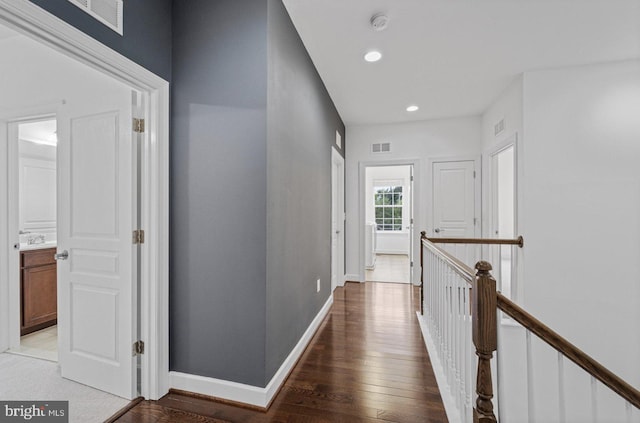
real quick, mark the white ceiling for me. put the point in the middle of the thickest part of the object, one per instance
(453, 57)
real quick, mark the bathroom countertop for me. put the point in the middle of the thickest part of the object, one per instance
(48, 244)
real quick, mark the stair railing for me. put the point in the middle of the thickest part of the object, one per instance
(461, 312)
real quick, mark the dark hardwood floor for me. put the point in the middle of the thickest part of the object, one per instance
(366, 363)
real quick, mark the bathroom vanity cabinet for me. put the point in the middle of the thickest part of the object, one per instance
(38, 288)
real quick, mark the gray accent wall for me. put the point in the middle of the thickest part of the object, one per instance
(302, 124)
(252, 127)
(252, 132)
(219, 189)
(146, 35)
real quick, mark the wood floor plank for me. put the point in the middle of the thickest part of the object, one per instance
(366, 364)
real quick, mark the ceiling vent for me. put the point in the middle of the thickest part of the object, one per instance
(109, 12)
(498, 128)
(383, 147)
(379, 22)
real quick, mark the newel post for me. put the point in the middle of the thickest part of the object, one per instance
(423, 235)
(485, 338)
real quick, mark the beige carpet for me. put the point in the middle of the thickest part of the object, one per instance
(24, 378)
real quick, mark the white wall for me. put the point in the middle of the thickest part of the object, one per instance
(507, 106)
(415, 141)
(582, 206)
(389, 242)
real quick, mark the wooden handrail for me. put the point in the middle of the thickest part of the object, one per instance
(488, 241)
(569, 350)
(462, 269)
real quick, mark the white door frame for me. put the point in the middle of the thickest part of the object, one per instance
(34, 22)
(337, 191)
(477, 190)
(362, 188)
(517, 287)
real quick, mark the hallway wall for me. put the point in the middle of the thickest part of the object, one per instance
(251, 182)
(581, 206)
(302, 123)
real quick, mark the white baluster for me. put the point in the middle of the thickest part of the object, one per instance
(530, 396)
(594, 399)
(561, 391)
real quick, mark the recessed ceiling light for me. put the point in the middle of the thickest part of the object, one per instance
(412, 108)
(373, 56)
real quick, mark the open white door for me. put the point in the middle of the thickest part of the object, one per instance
(454, 199)
(96, 289)
(337, 220)
(410, 227)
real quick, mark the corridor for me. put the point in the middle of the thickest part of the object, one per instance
(367, 363)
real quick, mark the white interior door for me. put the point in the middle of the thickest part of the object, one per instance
(337, 220)
(410, 226)
(96, 290)
(454, 199)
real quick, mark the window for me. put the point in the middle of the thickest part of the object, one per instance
(388, 207)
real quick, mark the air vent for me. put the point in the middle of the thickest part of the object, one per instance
(383, 147)
(109, 12)
(498, 128)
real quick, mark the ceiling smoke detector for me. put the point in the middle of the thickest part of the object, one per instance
(379, 22)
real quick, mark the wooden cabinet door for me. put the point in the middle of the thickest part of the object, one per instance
(39, 295)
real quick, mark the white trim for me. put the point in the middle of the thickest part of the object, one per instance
(393, 252)
(453, 415)
(248, 394)
(34, 22)
(415, 204)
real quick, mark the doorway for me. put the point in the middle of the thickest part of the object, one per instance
(337, 219)
(389, 223)
(503, 194)
(35, 274)
(77, 208)
(41, 28)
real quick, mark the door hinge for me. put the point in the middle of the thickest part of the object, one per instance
(138, 348)
(411, 264)
(475, 220)
(474, 174)
(411, 178)
(412, 220)
(138, 125)
(138, 236)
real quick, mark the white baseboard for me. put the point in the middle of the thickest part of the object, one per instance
(352, 277)
(393, 252)
(248, 394)
(453, 415)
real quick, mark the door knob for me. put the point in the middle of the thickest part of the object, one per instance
(436, 230)
(61, 256)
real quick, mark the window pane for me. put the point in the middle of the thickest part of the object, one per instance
(397, 212)
(379, 212)
(388, 212)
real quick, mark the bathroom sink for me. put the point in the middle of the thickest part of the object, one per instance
(49, 244)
